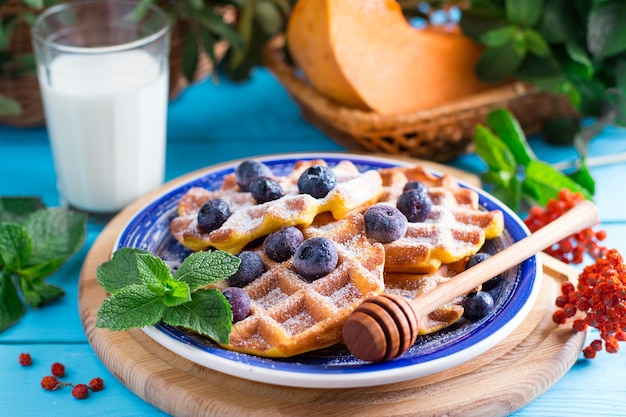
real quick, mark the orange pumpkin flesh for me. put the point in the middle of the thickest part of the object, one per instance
(365, 55)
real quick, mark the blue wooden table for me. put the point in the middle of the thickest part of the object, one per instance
(214, 123)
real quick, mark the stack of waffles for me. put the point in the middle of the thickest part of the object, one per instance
(292, 315)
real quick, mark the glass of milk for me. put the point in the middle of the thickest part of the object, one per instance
(103, 70)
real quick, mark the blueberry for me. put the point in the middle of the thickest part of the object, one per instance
(478, 258)
(281, 245)
(477, 305)
(213, 214)
(249, 170)
(317, 181)
(264, 189)
(239, 301)
(315, 257)
(415, 185)
(385, 223)
(415, 204)
(250, 268)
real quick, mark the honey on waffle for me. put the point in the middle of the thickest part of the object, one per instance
(455, 229)
(249, 221)
(290, 315)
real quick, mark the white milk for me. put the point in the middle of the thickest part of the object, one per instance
(106, 116)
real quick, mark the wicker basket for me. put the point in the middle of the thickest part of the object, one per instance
(437, 134)
(25, 87)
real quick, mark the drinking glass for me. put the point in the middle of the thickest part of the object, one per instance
(103, 70)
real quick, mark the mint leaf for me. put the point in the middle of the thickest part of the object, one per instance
(131, 306)
(583, 177)
(176, 293)
(208, 313)
(56, 233)
(11, 308)
(508, 129)
(203, 268)
(17, 209)
(152, 269)
(120, 271)
(543, 182)
(16, 246)
(37, 292)
(491, 149)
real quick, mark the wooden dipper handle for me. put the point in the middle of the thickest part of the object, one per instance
(385, 326)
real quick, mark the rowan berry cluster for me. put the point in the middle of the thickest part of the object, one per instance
(52, 382)
(601, 296)
(573, 248)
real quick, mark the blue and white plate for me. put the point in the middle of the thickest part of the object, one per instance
(335, 367)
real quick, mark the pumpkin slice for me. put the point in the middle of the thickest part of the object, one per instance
(365, 55)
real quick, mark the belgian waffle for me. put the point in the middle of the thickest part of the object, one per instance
(249, 221)
(290, 316)
(455, 229)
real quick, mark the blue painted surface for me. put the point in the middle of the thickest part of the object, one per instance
(213, 123)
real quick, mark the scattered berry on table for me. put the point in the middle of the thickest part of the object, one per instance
(213, 214)
(26, 359)
(250, 268)
(317, 181)
(415, 204)
(80, 391)
(477, 305)
(50, 383)
(315, 257)
(58, 369)
(282, 244)
(264, 189)
(475, 260)
(249, 170)
(384, 223)
(239, 301)
(96, 384)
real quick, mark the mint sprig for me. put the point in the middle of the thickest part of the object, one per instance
(514, 172)
(35, 241)
(143, 291)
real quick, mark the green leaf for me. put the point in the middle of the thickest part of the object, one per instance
(42, 270)
(535, 43)
(606, 33)
(9, 107)
(17, 209)
(559, 21)
(493, 150)
(543, 183)
(56, 233)
(121, 271)
(37, 292)
(525, 12)
(130, 307)
(583, 177)
(208, 313)
(35, 4)
(152, 269)
(176, 293)
(206, 267)
(190, 55)
(11, 307)
(505, 186)
(579, 55)
(268, 17)
(499, 63)
(499, 37)
(508, 129)
(16, 246)
(214, 23)
(245, 28)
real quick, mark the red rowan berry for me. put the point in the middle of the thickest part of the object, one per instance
(96, 384)
(80, 391)
(50, 383)
(58, 369)
(25, 359)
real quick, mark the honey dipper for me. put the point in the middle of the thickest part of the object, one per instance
(385, 326)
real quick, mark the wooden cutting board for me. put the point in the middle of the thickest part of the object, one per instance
(504, 379)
